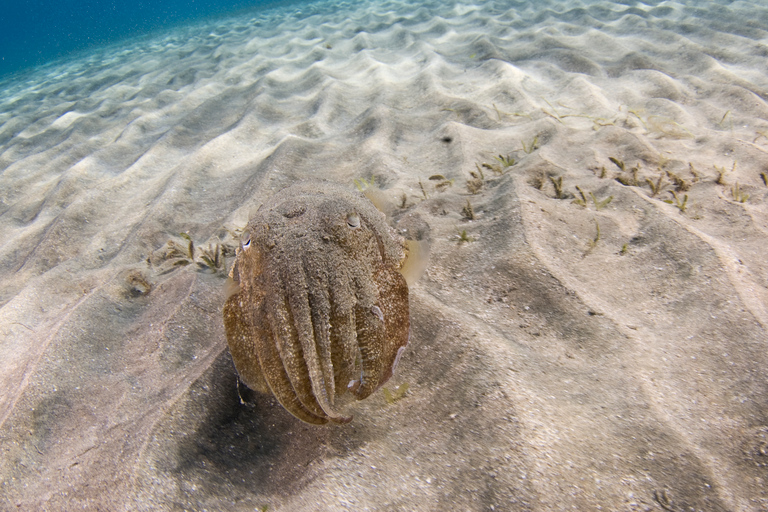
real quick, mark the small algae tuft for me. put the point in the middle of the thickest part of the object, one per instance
(463, 237)
(423, 190)
(583, 201)
(600, 122)
(530, 148)
(475, 183)
(694, 172)
(729, 124)
(601, 203)
(597, 235)
(364, 184)
(442, 182)
(738, 194)
(721, 172)
(638, 113)
(479, 171)
(498, 112)
(468, 212)
(681, 205)
(496, 168)
(506, 161)
(211, 258)
(593, 243)
(396, 394)
(656, 186)
(558, 183)
(190, 245)
(628, 176)
(501, 113)
(554, 114)
(681, 185)
(618, 163)
(667, 127)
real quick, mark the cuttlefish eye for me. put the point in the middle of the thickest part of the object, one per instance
(353, 220)
(247, 241)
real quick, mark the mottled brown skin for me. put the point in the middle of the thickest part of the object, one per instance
(321, 308)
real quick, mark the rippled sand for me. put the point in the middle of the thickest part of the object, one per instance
(572, 353)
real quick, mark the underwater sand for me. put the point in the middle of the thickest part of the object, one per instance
(563, 357)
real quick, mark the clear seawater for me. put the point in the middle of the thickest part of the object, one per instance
(36, 32)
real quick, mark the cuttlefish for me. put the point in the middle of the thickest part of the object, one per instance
(319, 307)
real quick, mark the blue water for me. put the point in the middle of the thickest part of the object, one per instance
(35, 32)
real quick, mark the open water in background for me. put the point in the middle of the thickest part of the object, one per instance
(36, 32)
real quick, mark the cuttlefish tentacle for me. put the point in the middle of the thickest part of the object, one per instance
(287, 359)
(244, 345)
(370, 330)
(306, 336)
(274, 370)
(319, 294)
(344, 349)
(393, 302)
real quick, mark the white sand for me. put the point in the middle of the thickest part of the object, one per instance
(547, 370)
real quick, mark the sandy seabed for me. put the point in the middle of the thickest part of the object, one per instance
(593, 338)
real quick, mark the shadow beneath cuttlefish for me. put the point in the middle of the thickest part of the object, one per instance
(230, 440)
